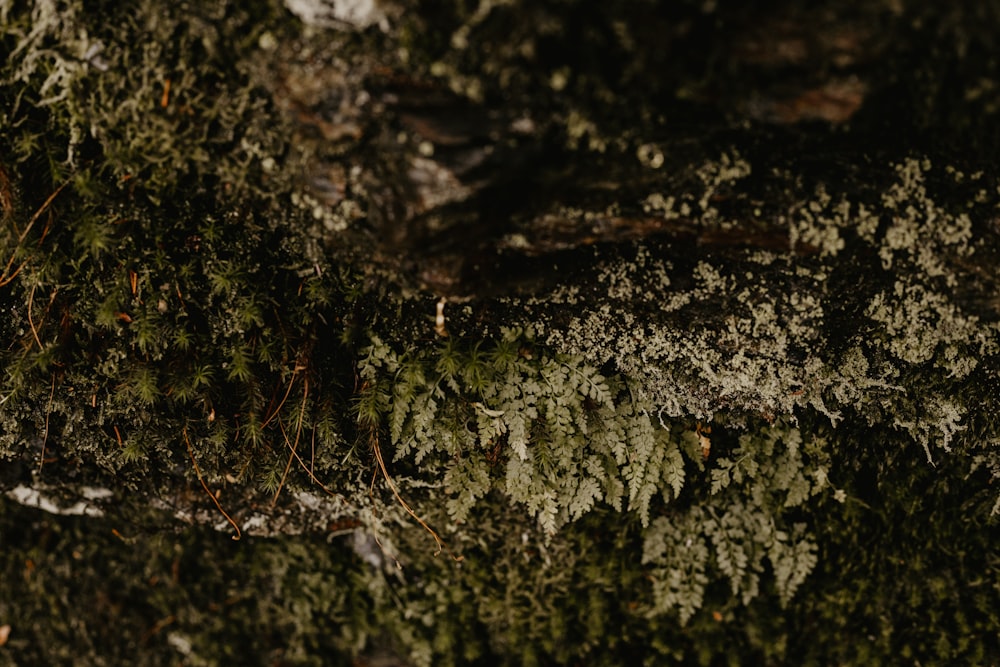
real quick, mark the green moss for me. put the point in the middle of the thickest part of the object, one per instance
(73, 595)
(147, 300)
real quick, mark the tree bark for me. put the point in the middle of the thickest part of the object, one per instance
(778, 218)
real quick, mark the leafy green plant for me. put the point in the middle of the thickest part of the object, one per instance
(549, 431)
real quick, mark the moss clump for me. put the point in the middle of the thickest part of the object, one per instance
(79, 593)
(896, 575)
(164, 284)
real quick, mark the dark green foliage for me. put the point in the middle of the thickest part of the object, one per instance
(164, 284)
(76, 597)
(899, 581)
(909, 567)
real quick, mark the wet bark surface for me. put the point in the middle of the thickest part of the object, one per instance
(561, 133)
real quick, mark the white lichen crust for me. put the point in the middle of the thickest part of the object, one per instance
(752, 332)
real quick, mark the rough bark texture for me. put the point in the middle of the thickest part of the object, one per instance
(675, 325)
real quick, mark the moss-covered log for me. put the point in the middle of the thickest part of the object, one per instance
(499, 332)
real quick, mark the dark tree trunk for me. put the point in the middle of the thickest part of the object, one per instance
(399, 271)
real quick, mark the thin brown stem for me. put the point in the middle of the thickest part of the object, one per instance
(7, 276)
(211, 495)
(45, 433)
(294, 447)
(409, 510)
(284, 398)
(31, 304)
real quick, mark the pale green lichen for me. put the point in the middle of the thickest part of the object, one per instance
(818, 224)
(921, 325)
(580, 127)
(737, 361)
(764, 351)
(645, 278)
(666, 206)
(921, 231)
(715, 175)
(650, 155)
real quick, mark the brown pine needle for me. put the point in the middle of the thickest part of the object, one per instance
(165, 100)
(312, 450)
(205, 486)
(41, 209)
(288, 465)
(159, 625)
